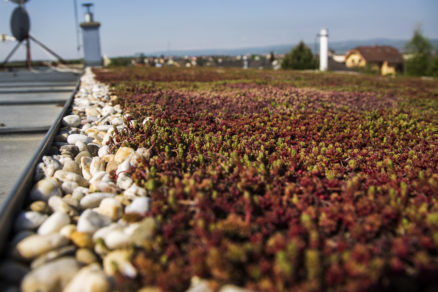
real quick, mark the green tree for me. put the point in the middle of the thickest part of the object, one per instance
(271, 57)
(420, 48)
(433, 68)
(300, 57)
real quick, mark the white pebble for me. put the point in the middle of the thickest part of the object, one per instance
(79, 193)
(119, 261)
(36, 245)
(97, 165)
(97, 176)
(232, 288)
(67, 230)
(110, 207)
(71, 166)
(58, 205)
(140, 231)
(89, 279)
(116, 239)
(104, 150)
(135, 191)
(71, 121)
(139, 205)
(104, 128)
(52, 255)
(85, 166)
(108, 110)
(74, 138)
(50, 165)
(70, 176)
(69, 186)
(51, 277)
(90, 221)
(93, 200)
(44, 189)
(123, 167)
(106, 187)
(116, 122)
(39, 172)
(82, 146)
(104, 231)
(123, 154)
(124, 182)
(85, 127)
(54, 223)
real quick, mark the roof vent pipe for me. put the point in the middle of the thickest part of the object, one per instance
(91, 39)
(323, 49)
(245, 62)
(88, 13)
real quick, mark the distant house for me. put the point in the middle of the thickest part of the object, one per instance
(385, 59)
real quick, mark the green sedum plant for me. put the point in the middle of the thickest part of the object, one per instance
(280, 181)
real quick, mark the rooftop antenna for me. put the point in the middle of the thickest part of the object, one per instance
(19, 2)
(78, 31)
(20, 27)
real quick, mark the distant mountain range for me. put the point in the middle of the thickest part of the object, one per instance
(339, 47)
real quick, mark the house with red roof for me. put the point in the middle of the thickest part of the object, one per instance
(384, 59)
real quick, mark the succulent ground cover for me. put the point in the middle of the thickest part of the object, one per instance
(276, 181)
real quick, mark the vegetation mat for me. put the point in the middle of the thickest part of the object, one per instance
(283, 180)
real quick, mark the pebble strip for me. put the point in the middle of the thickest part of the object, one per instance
(72, 236)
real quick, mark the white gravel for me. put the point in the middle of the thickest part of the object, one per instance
(74, 198)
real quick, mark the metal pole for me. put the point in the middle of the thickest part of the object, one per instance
(78, 31)
(10, 54)
(28, 57)
(47, 49)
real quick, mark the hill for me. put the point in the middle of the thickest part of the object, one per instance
(340, 47)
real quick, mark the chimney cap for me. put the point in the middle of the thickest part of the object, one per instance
(88, 6)
(323, 32)
(19, 2)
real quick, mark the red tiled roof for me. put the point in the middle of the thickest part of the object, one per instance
(378, 54)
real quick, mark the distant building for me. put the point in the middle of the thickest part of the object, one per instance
(384, 59)
(340, 58)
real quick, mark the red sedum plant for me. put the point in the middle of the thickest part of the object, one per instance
(279, 181)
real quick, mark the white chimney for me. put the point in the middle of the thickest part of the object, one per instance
(91, 38)
(245, 62)
(323, 50)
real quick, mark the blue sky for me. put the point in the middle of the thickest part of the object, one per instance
(133, 26)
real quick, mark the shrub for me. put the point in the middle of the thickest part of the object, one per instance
(433, 67)
(420, 48)
(299, 58)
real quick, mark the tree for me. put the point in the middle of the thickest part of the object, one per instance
(300, 57)
(433, 68)
(271, 57)
(420, 48)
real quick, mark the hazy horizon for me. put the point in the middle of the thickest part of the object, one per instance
(130, 26)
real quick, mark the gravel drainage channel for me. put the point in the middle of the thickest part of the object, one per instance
(71, 235)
